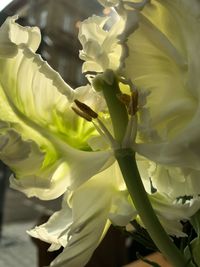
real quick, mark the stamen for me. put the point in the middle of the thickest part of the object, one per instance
(82, 114)
(86, 109)
(88, 114)
(106, 134)
(134, 103)
(125, 99)
(131, 132)
(130, 101)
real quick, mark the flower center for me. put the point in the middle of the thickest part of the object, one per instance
(122, 109)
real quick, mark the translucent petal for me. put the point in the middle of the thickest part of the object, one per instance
(122, 210)
(12, 34)
(176, 181)
(36, 114)
(163, 59)
(173, 181)
(55, 230)
(90, 206)
(101, 48)
(81, 228)
(171, 212)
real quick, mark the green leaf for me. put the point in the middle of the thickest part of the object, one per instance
(192, 250)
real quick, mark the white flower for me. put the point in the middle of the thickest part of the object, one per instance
(52, 149)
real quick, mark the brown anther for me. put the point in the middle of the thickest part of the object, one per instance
(82, 114)
(130, 101)
(134, 103)
(125, 99)
(86, 109)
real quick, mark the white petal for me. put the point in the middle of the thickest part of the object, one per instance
(12, 34)
(170, 212)
(90, 207)
(35, 104)
(163, 59)
(101, 48)
(122, 210)
(56, 229)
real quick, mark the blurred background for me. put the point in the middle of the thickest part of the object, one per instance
(58, 21)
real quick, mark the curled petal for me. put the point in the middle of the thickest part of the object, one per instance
(101, 48)
(81, 227)
(172, 212)
(67, 172)
(36, 115)
(90, 206)
(175, 181)
(12, 35)
(55, 230)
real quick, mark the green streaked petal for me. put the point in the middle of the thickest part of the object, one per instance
(29, 96)
(26, 81)
(47, 184)
(36, 115)
(69, 170)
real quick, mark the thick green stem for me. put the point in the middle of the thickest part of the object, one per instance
(127, 164)
(108, 84)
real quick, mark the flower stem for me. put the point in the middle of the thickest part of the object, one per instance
(108, 84)
(127, 164)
